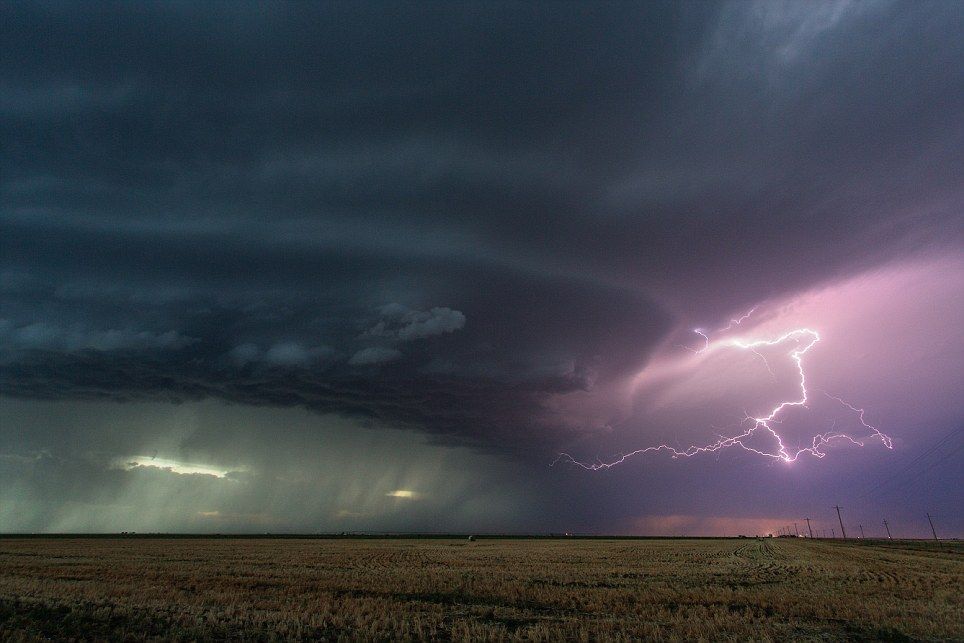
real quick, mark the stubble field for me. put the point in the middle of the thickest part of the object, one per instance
(772, 589)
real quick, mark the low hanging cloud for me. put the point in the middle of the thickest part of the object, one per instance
(374, 355)
(405, 324)
(291, 354)
(52, 337)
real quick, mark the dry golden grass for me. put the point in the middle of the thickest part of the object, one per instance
(488, 589)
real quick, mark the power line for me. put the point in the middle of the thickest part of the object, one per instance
(933, 531)
(930, 469)
(842, 530)
(913, 463)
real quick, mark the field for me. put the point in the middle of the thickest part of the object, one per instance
(772, 589)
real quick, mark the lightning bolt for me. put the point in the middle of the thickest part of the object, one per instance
(803, 340)
(736, 321)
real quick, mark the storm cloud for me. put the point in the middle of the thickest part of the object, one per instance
(474, 222)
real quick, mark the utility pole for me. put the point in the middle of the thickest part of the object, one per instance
(808, 527)
(842, 530)
(796, 532)
(933, 531)
(861, 530)
(889, 537)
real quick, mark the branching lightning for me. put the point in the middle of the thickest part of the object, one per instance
(803, 339)
(738, 320)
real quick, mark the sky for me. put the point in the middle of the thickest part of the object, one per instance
(345, 267)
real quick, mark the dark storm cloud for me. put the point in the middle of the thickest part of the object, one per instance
(441, 216)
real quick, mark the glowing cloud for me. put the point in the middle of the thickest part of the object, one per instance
(800, 341)
(182, 468)
(402, 493)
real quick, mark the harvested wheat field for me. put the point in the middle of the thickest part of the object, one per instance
(771, 589)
